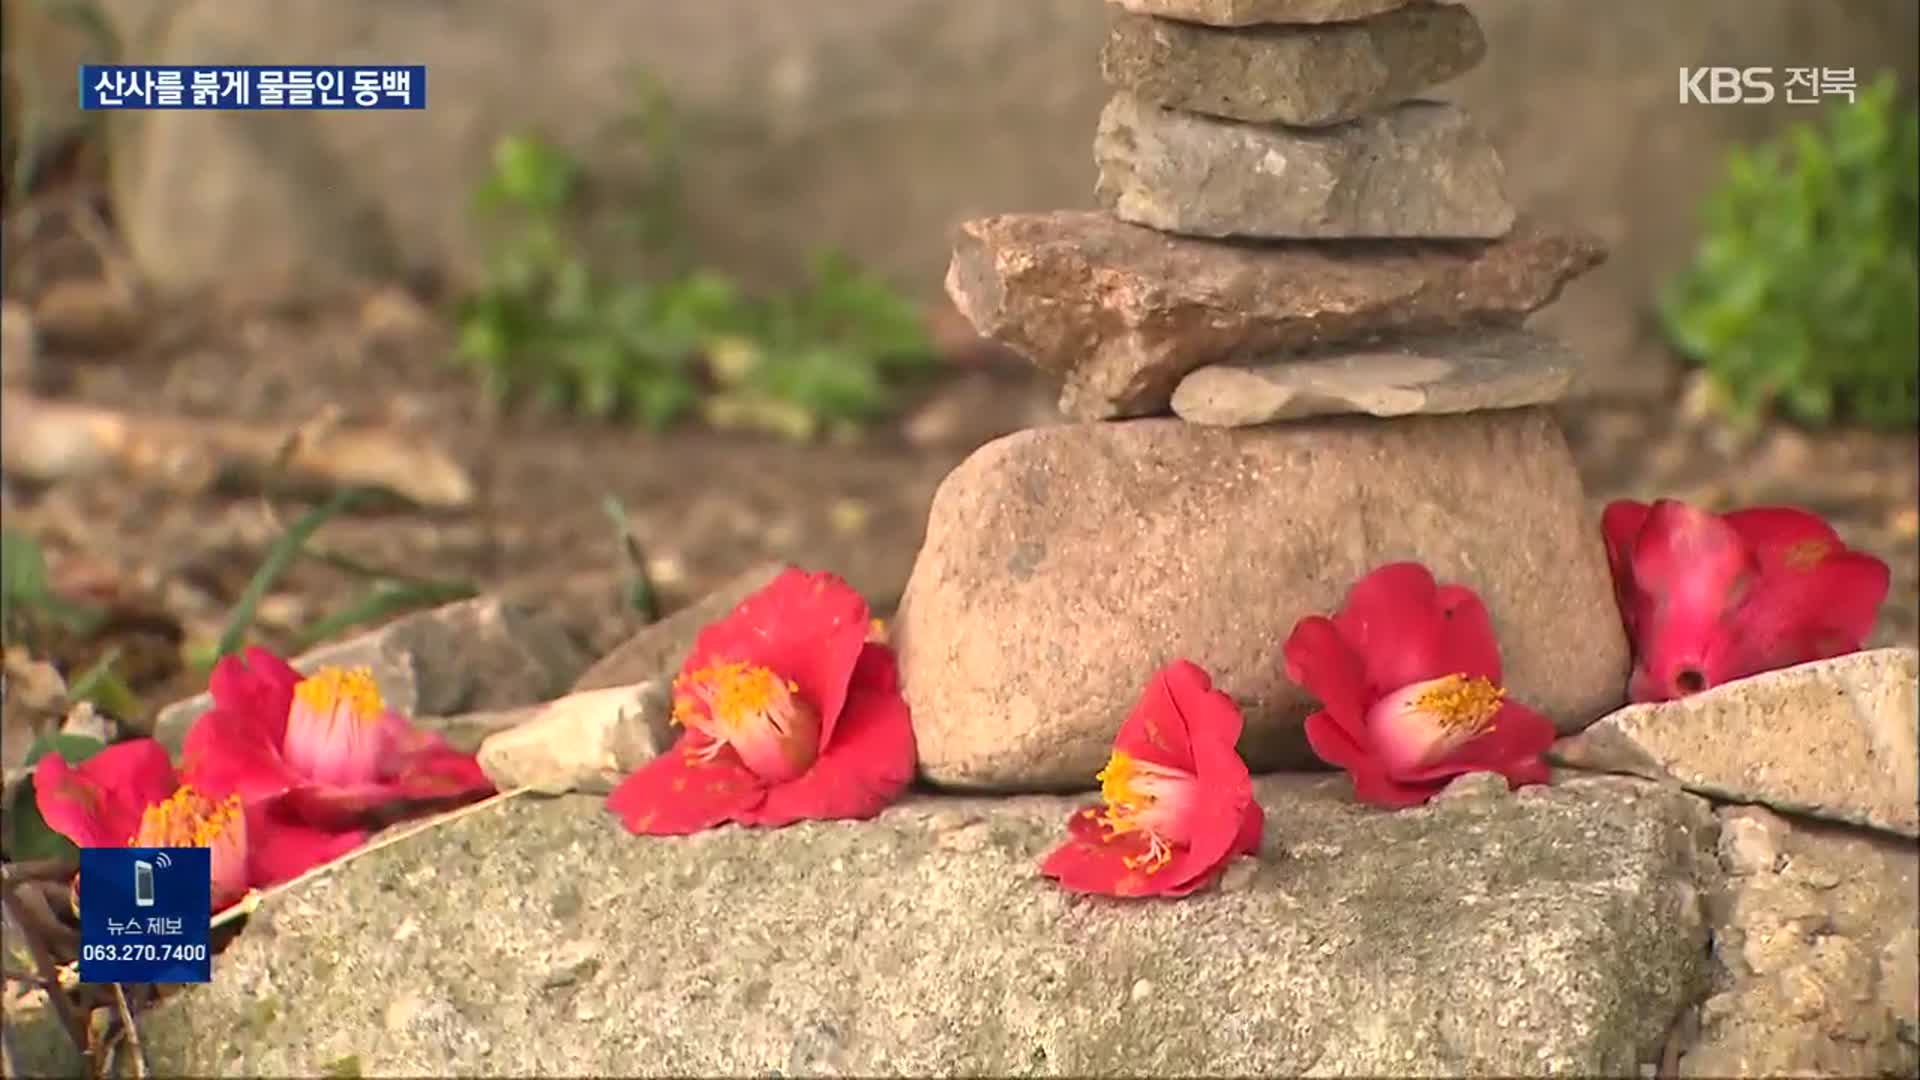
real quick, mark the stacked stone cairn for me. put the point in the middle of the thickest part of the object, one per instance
(1317, 273)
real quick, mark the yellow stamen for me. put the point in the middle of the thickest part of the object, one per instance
(1806, 554)
(1461, 706)
(733, 692)
(1126, 801)
(351, 689)
(186, 819)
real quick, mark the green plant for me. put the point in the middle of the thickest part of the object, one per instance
(1803, 297)
(654, 349)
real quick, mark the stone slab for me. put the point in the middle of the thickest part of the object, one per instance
(1837, 739)
(1124, 312)
(1420, 170)
(1312, 76)
(1555, 931)
(1494, 369)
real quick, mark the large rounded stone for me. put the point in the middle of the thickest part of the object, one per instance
(1063, 565)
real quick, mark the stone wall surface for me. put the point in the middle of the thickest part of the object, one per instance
(1558, 930)
(871, 125)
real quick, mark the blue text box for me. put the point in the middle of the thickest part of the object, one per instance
(253, 86)
(145, 914)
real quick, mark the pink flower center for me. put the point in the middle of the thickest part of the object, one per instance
(334, 731)
(1421, 723)
(1147, 798)
(189, 819)
(755, 711)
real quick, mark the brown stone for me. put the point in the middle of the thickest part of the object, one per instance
(1834, 739)
(1421, 170)
(587, 741)
(1255, 12)
(1063, 566)
(1493, 369)
(1309, 76)
(1124, 312)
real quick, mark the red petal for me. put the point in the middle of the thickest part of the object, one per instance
(280, 850)
(1406, 628)
(257, 685)
(422, 765)
(1797, 615)
(1178, 709)
(1319, 660)
(1371, 784)
(1693, 562)
(806, 627)
(1773, 533)
(1620, 525)
(1225, 790)
(1092, 862)
(1335, 743)
(866, 767)
(227, 752)
(672, 796)
(100, 802)
(1512, 747)
(1253, 826)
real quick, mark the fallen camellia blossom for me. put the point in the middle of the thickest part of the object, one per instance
(791, 714)
(128, 796)
(1408, 677)
(326, 747)
(1177, 801)
(1708, 598)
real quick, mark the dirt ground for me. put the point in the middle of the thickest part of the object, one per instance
(704, 504)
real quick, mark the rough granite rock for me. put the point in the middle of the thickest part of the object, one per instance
(1254, 12)
(1836, 739)
(656, 651)
(1816, 945)
(1063, 566)
(1554, 931)
(1494, 369)
(1124, 312)
(1305, 76)
(1420, 170)
(587, 741)
(478, 654)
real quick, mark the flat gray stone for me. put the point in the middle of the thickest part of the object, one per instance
(479, 654)
(1123, 312)
(1253, 12)
(1554, 931)
(1494, 369)
(1837, 739)
(1421, 170)
(1310, 76)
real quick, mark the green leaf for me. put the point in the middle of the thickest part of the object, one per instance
(278, 559)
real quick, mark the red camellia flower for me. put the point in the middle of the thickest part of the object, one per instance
(791, 713)
(128, 796)
(1408, 677)
(324, 747)
(1177, 801)
(1708, 598)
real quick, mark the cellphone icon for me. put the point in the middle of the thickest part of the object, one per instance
(142, 883)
